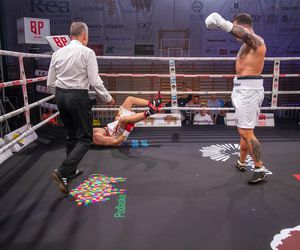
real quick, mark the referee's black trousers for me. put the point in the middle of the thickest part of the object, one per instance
(75, 110)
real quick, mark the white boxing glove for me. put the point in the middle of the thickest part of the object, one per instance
(215, 21)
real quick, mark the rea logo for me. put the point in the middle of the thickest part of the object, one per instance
(36, 26)
(51, 7)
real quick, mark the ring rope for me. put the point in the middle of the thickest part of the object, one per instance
(197, 108)
(190, 76)
(18, 54)
(19, 82)
(44, 78)
(43, 89)
(186, 92)
(23, 109)
(186, 108)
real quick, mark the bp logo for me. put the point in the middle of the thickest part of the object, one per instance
(223, 152)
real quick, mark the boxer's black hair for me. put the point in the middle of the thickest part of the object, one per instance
(243, 19)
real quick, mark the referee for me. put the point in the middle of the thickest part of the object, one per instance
(73, 70)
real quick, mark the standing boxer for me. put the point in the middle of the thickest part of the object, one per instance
(248, 90)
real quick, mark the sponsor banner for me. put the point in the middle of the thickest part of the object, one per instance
(196, 8)
(111, 50)
(49, 7)
(21, 143)
(161, 120)
(276, 21)
(275, 85)
(57, 42)
(5, 155)
(263, 120)
(144, 38)
(98, 49)
(38, 73)
(33, 30)
(173, 84)
(144, 50)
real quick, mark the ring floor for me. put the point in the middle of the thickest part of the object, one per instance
(177, 198)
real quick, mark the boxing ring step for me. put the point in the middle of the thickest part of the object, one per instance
(22, 143)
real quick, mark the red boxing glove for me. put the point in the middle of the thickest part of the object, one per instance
(128, 128)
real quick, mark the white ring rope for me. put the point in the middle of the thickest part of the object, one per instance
(19, 82)
(196, 108)
(18, 54)
(205, 76)
(43, 89)
(186, 92)
(44, 78)
(23, 109)
(186, 108)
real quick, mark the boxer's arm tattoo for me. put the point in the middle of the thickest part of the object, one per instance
(256, 149)
(250, 39)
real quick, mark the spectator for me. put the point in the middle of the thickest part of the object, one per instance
(221, 117)
(213, 102)
(194, 103)
(196, 100)
(202, 118)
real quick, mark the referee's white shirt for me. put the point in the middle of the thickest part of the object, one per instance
(75, 67)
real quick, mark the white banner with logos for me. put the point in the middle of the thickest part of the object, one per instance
(33, 30)
(136, 27)
(161, 120)
(57, 42)
(21, 143)
(263, 120)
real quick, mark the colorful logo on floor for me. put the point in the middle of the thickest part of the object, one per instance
(99, 188)
(287, 239)
(223, 152)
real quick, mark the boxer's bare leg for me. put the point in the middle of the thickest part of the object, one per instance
(130, 101)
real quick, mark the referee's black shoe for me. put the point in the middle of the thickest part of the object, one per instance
(61, 180)
(77, 173)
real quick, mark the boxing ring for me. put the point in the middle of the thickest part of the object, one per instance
(182, 190)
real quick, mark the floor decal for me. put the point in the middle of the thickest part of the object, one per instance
(287, 239)
(97, 188)
(223, 152)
